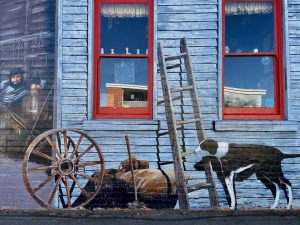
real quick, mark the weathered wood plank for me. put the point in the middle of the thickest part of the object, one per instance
(274, 126)
(75, 10)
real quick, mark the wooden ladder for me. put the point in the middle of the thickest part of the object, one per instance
(173, 124)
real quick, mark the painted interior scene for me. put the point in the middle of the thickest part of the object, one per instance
(27, 71)
(149, 104)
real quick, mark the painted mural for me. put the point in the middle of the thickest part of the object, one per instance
(90, 167)
(27, 40)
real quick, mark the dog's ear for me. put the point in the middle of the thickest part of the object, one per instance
(209, 145)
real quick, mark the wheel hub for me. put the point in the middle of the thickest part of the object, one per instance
(66, 167)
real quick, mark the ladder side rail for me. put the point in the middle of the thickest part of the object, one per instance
(212, 191)
(193, 91)
(179, 177)
(213, 196)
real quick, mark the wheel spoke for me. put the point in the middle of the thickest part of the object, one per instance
(77, 146)
(87, 176)
(66, 143)
(44, 183)
(54, 147)
(84, 152)
(68, 191)
(84, 192)
(39, 168)
(50, 201)
(60, 195)
(44, 156)
(90, 164)
(58, 141)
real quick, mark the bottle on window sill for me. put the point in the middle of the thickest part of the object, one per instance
(127, 51)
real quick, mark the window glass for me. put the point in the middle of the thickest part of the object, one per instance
(124, 82)
(249, 27)
(249, 81)
(124, 29)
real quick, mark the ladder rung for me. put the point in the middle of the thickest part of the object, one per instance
(173, 57)
(161, 102)
(187, 88)
(165, 162)
(180, 122)
(184, 154)
(173, 99)
(167, 132)
(173, 66)
(200, 186)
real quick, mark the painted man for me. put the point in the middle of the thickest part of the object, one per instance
(13, 90)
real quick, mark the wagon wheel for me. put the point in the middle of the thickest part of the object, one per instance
(68, 168)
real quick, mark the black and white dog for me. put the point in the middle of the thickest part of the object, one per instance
(237, 162)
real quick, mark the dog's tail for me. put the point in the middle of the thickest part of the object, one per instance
(290, 156)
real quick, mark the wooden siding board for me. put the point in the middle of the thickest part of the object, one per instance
(74, 42)
(201, 17)
(75, 3)
(75, 10)
(77, 18)
(199, 21)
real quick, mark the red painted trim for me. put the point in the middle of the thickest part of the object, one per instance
(107, 112)
(123, 56)
(260, 113)
(250, 0)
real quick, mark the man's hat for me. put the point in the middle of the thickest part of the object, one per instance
(16, 71)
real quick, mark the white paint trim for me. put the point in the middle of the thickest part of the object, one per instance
(220, 63)
(57, 101)
(276, 202)
(241, 169)
(229, 183)
(90, 72)
(286, 57)
(290, 194)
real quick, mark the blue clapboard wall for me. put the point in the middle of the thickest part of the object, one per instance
(200, 22)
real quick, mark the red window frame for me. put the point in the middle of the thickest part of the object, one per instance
(109, 112)
(277, 112)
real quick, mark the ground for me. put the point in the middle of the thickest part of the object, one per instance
(147, 217)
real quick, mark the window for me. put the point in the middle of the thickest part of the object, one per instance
(123, 58)
(252, 60)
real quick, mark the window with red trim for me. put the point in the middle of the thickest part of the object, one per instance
(252, 59)
(123, 58)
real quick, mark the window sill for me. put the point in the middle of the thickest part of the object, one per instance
(120, 125)
(256, 125)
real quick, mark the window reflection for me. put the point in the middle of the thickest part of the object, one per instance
(123, 82)
(248, 82)
(124, 29)
(249, 27)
